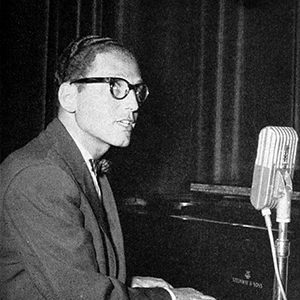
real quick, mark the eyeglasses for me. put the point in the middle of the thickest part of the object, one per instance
(119, 87)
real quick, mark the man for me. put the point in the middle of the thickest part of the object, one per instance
(60, 231)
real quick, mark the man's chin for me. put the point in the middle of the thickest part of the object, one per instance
(122, 144)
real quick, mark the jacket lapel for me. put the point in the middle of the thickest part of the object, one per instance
(76, 165)
(115, 227)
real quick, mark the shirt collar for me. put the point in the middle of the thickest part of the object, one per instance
(85, 154)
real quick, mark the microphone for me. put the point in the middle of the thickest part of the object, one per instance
(274, 165)
(272, 187)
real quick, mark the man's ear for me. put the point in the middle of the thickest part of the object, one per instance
(67, 97)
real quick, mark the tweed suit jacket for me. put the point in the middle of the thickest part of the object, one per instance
(54, 244)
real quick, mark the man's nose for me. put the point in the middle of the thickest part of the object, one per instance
(131, 101)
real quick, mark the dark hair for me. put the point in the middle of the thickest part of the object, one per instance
(78, 57)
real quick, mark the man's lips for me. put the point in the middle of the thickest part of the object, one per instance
(126, 123)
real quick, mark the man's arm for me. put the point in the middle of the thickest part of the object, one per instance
(46, 227)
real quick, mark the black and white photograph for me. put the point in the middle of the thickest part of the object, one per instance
(150, 150)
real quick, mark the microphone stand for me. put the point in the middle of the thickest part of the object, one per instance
(282, 243)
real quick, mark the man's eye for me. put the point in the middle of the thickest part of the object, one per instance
(118, 84)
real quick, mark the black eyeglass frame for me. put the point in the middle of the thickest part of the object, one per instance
(111, 81)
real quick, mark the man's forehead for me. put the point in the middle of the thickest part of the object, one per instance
(114, 58)
(115, 64)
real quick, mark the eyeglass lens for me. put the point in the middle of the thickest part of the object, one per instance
(120, 89)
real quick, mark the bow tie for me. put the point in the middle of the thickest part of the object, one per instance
(100, 166)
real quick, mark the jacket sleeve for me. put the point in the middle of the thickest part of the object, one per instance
(54, 251)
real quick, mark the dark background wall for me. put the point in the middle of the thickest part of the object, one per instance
(218, 72)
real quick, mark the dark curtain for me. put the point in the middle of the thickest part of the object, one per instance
(218, 72)
(251, 83)
(34, 33)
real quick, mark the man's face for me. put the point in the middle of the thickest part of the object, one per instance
(102, 119)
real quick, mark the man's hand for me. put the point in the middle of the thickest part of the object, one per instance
(190, 294)
(149, 282)
(180, 293)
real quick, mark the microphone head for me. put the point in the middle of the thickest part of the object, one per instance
(276, 151)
